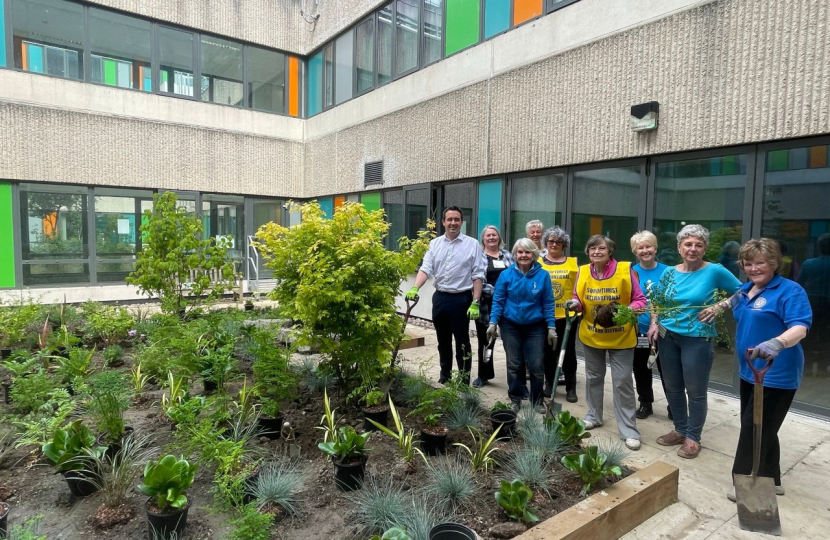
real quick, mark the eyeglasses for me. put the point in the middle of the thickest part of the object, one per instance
(556, 242)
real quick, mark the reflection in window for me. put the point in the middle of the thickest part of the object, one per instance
(328, 75)
(121, 50)
(344, 51)
(433, 30)
(48, 37)
(536, 197)
(223, 219)
(221, 71)
(417, 207)
(175, 49)
(463, 196)
(266, 80)
(407, 21)
(118, 218)
(315, 84)
(385, 45)
(393, 206)
(605, 202)
(266, 211)
(365, 55)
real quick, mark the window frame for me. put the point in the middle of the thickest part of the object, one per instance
(418, 41)
(372, 19)
(551, 6)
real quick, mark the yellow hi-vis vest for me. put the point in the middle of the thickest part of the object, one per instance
(595, 293)
(562, 278)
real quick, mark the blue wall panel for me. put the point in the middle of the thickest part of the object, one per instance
(315, 84)
(489, 204)
(327, 206)
(496, 17)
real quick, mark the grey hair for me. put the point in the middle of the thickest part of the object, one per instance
(484, 230)
(598, 239)
(643, 237)
(695, 230)
(557, 233)
(533, 223)
(528, 245)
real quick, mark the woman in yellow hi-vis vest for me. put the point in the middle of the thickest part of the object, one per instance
(562, 272)
(598, 284)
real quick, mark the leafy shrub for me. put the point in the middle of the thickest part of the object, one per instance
(113, 354)
(414, 389)
(513, 497)
(275, 381)
(590, 466)
(107, 324)
(167, 479)
(30, 393)
(108, 408)
(250, 524)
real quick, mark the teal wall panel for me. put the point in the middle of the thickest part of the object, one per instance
(496, 17)
(7, 234)
(489, 204)
(327, 206)
(315, 84)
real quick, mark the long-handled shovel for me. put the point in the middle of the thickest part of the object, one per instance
(755, 495)
(552, 408)
(386, 381)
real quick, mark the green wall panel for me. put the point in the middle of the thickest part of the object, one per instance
(371, 201)
(7, 234)
(463, 19)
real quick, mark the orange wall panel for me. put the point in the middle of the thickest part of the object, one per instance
(524, 10)
(293, 86)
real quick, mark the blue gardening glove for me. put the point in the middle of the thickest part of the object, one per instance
(552, 337)
(767, 350)
(474, 311)
(412, 293)
(491, 332)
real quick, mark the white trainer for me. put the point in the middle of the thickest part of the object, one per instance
(632, 444)
(591, 425)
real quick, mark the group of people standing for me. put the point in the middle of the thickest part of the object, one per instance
(527, 295)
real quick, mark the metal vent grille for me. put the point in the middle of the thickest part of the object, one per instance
(373, 173)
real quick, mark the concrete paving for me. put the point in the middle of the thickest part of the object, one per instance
(703, 511)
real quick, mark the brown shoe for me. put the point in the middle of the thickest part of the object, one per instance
(689, 450)
(672, 438)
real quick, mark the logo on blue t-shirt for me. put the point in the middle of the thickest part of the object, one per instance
(759, 303)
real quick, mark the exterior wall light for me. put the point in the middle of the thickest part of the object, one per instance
(644, 116)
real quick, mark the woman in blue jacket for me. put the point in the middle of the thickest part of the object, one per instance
(523, 306)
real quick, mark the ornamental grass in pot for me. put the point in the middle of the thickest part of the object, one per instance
(164, 483)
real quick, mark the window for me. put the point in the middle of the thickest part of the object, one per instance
(385, 45)
(605, 202)
(365, 55)
(266, 211)
(417, 211)
(315, 84)
(266, 80)
(407, 22)
(118, 218)
(463, 18)
(175, 50)
(223, 217)
(496, 17)
(524, 10)
(48, 37)
(535, 197)
(344, 51)
(433, 30)
(328, 75)
(54, 230)
(393, 206)
(553, 5)
(121, 50)
(222, 71)
(489, 205)
(463, 196)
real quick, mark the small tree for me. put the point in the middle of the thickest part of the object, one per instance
(175, 259)
(338, 280)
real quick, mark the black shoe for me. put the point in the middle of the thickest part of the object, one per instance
(478, 383)
(571, 396)
(443, 380)
(548, 390)
(644, 411)
(668, 410)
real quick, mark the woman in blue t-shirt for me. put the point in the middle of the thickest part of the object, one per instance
(773, 314)
(686, 337)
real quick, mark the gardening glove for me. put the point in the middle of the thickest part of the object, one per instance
(572, 304)
(552, 337)
(767, 350)
(491, 332)
(474, 311)
(412, 293)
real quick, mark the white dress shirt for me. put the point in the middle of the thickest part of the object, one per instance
(454, 263)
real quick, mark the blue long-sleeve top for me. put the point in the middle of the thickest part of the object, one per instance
(523, 298)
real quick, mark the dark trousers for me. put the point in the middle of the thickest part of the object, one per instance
(485, 370)
(569, 363)
(449, 315)
(524, 346)
(776, 405)
(643, 376)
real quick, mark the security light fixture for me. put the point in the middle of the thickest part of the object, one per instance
(644, 116)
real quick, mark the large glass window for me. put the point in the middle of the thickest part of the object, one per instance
(489, 205)
(175, 49)
(433, 30)
(385, 45)
(266, 211)
(496, 17)
(54, 230)
(605, 202)
(417, 211)
(535, 197)
(266, 80)
(344, 51)
(393, 206)
(315, 84)
(407, 23)
(463, 18)
(795, 212)
(223, 218)
(118, 218)
(328, 75)
(221, 71)
(121, 50)
(524, 10)
(48, 37)
(365, 55)
(462, 195)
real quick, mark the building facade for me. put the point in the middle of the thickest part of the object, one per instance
(511, 109)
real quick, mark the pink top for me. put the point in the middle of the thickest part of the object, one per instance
(638, 299)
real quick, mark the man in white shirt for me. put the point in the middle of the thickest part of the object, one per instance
(456, 262)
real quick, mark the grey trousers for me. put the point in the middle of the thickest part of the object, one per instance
(622, 365)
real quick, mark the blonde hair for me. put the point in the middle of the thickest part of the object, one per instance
(643, 237)
(766, 248)
(484, 230)
(528, 245)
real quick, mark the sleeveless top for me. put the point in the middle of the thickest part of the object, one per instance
(595, 293)
(562, 278)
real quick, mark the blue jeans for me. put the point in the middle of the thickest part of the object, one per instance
(524, 345)
(687, 362)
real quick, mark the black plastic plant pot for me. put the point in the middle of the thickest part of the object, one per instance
(380, 416)
(249, 486)
(349, 476)
(249, 307)
(166, 525)
(7, 392)
(4, 519)
(5, 353)
(433, 444)
(210, 386)
(452, 531)
(506, 419)
(271, 427)
(113, 447)
(79, 484)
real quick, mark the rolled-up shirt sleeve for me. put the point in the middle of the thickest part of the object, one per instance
(429, 259)
(479, 265)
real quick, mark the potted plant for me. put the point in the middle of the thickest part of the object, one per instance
(249, 304)
(374, 409)
(348, 452)
(4, 519)
(108, 408)
(69, 452)
(452, 531)
(433, 434)
(502, 416)
(274, 381)
(215, 364)
(164, 484)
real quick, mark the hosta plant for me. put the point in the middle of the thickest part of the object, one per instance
(514, 497)
(591, 466)
(70, 446)
(166, 480)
